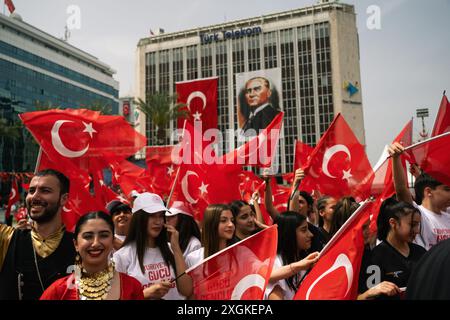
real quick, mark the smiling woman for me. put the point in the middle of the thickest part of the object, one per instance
(95, 277)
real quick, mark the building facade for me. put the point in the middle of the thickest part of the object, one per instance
(39, 70)
(316, 48)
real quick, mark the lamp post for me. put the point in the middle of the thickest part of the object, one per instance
(422, 113)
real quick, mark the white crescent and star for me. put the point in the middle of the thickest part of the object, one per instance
(13, 193)
(341, 261)
(196, 94)
(61, 148)
(249, 281)
(329, 153)
(184, 186)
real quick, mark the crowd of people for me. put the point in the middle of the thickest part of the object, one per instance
(141, 249)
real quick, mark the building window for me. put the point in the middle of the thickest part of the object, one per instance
(192, 63)
(289, 94)
(206, 60)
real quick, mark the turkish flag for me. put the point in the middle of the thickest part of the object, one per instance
(200, 97)
(10, 6)
(338, 163)
(260, 150)
(82, 137)
(80, 202)
(201, 185)
(381, 177)
(432, 157)
(442, 122)
(239, 272)
(14, 197)
(126, 175)
(161, 171)
(336, 274)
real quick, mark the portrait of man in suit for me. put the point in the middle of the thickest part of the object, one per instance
(258, 105)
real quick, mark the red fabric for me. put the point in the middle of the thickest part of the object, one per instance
(126, 174)
(301, 155)
(201, 185)
(83, 138)
(239, 272)
(161, 171)
(200, 97)
(14, 197)
(260, 150)
(338, 163)
(432, 157)
(335, 276)
(64, 289)
(10, 6)
(442, 122)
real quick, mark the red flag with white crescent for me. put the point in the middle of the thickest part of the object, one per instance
(338, 163)
(83, 137)
(335, 276)
(239, 272)
(200, 97)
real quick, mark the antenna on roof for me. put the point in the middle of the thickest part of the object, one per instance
(66, 33)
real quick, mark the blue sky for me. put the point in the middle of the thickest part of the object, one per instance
(404, 65)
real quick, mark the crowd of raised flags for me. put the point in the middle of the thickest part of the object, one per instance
(82, 143)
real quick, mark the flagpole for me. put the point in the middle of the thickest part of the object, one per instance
(426, 141)
(38, 160)
(178, 171)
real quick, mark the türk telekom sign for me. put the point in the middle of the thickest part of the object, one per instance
(206, 38)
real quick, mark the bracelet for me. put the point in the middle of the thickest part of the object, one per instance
(292, 269)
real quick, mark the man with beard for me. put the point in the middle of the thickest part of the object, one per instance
(31, 260)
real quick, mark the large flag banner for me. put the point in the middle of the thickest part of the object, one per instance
(442, 122)
(338, 163)
(200, 97)
(239, 272)
(432, 157)
(335, 275)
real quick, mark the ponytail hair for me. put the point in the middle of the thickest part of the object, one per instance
(391, 208)
(343, 210)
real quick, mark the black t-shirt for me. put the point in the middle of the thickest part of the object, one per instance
(395, 267)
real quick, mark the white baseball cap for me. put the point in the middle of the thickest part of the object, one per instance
(148, 202)
(177, 208)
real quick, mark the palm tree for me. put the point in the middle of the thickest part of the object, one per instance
(161, 108)
(9, 130)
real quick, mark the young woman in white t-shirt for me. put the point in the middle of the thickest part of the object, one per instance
(147, 256)
(217, 233)
(292, 260)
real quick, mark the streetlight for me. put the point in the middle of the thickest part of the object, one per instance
(422, 113)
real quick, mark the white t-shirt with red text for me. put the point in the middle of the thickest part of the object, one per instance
(156, 270)
(434, 228)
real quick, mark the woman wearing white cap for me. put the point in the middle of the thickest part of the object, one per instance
(180, 216)
(147, 256)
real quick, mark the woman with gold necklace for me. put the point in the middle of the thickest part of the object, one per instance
(95, 277)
